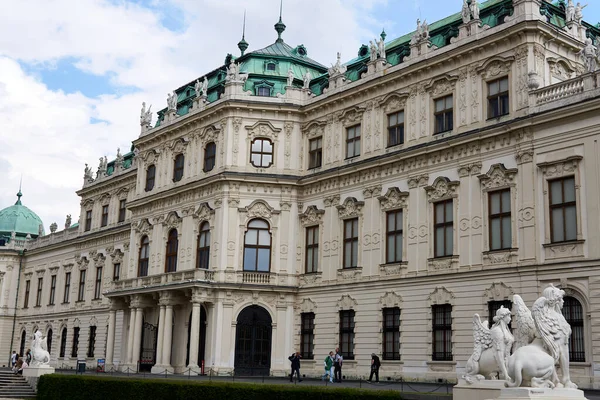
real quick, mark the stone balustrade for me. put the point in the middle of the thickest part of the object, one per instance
(254, 277)
(566, 92)
(53, 238)
(188, 276)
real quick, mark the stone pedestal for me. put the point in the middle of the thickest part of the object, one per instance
(478, 390)
(162, 369)
(535, 393)
(36, 372)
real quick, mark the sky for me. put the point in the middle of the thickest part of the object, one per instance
(73, 74)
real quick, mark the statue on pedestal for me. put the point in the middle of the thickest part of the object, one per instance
(198, 88)
(290, 77)
(172, 101)
(578, 17)
(465, 12)
(68, 221)
(380, 47)
(39, 351)
(372, 51)
(475, 9)
(570, 12)
(306, 78)
(87, 174)
(589, 53)
(145, 116)
(205, 87)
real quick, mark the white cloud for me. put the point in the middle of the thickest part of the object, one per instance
(46, 135)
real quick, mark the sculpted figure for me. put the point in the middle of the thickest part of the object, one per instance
(68, 221)
(465, 12)
(198, 88)
(424, 31)
(570, 12)
(39, 351)
(232, 71)
(381, 48)
(172, 101)
(589, 55)
(205, 87)
(87, 174)
(578, 13)
(491, 348)
(475, 9)
(373, 50)
(290, 77)
(533, 364)
(306, 78)
(146, 115)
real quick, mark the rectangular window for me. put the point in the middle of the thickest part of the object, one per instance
(312, 249)
(98, 283)
(66, 297)
(391, 334)
(563, 210)
(122, 209)
(498, 98)
(351, 243)
(178, 167)
(315, 153)
(27, 288)
(75, 348)
(116, 271)
(444, 117)
(88, 220)
(52, 290)
(263, 91)
(442, 332)
(81, 291)
(91, 342)
(494, 306)
(38, 297)
(353, 141)
(150, 174)
(395, 129)
(307, 335)
(444, 228)
(394, 236)
(210, 156)
(104, 220)
(347, 334)
(500, 229)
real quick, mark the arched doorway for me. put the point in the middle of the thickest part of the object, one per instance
(201, 338)
(253, 342)
(148, 346)
(22, 346)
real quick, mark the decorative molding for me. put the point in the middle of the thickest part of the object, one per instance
(308, 306)
(392, 269)
(349, 274)
(393, 199)
(441, 86)
(263, 129)
(312, 216)
(351, 208)
(389, 300)
(346, 303)
(441, 295)
(394, 102)
(259, 209)
(442, 188)
(351, 116)
(418, 181)
(372, 191)
(557, 169)
(204, 212)
(172, 221)
(142, 227)
(498, 176)
(495, 67)
(498, 291)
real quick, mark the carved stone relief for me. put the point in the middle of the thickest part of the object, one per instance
(350, 208)
(498, 176)
(312, 216)
(393, 199)
(346, 303)
(442, 188)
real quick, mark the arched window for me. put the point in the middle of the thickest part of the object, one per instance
(257, 246)
(261, 154)
(178, 168)
(144, 257)
(22, 347)
(63, 343)
(573, 313)
(210, 152)
(171, 256)
(203, 246)
(49, 340)
(150, 173)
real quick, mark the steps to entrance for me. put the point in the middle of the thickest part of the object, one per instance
(14, 386)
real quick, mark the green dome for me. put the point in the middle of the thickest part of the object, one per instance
(20, 219)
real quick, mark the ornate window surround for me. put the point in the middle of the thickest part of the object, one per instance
(350, 208)
(493, 69)
(499, 177)
(204, 213)
(142, 228)
(440, 295)
(346, 303)
(349, 118)
(437, 88)
(263, 129)
(311, 131)
(394, 199)
(177, 147)
(393, 103)
(569, 166)
(442, 189)
(261, 210)
(389, 300)
(312, 216)
(264, 84)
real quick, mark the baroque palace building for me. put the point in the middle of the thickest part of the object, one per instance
(280, 205)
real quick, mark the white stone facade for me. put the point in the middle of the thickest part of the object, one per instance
(547, 134)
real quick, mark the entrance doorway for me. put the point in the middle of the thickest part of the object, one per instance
(201, 339)
(253, 342)
(148, 349)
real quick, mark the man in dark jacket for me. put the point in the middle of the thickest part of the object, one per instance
(375, 364)
(295, 359)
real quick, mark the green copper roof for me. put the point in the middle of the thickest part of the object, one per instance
(20, 219)
(282, 49)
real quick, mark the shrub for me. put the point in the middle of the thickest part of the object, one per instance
(74, 387)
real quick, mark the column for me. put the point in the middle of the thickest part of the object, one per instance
(137, 336)
(161, 326)
(130, 336)
(167, 334)
(110, 337)
(194, 335)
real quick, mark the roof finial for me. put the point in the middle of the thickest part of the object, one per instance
(19, 194)
(280, 26)
(383, 34)
(242, 44)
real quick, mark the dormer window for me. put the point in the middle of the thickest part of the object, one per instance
(271, 67)
(264, 91)
(263, 88)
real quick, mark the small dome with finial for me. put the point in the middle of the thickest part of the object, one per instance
(242, 44)
(279, 26)
(383, 34)
(21, 220)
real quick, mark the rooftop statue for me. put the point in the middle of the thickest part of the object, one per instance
(578, 13)
(198, 88)
(307, 78)
(465, 12)
(475, 9)
(421, 34)
(87, 174)
(338, 68)
(39, 351)
(570, 12)
(589, 53)
(491, 348)
(232, 71)
(172, 101)
(373, 50)
(205, 87)
(119, 158)
(145, 115)
(290, 76)
(380, 47)
(68, 221)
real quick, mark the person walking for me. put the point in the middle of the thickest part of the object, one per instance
(328, 367)
(295, 359)
(337, 365)
(13, 359)
(28, 356)
(375, 364)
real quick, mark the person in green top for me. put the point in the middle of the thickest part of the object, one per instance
(328, 367)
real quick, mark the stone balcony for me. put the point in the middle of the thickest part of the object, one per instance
(561, 94)
(53, 238)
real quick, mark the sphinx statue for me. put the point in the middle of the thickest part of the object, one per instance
(39, 351)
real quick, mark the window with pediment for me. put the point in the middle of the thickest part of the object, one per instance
(261, 153)
(203, 253)
(171, 251)
(178, 165)
(210, 153)
(257, 246)
(144, 256)
(150, 175)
